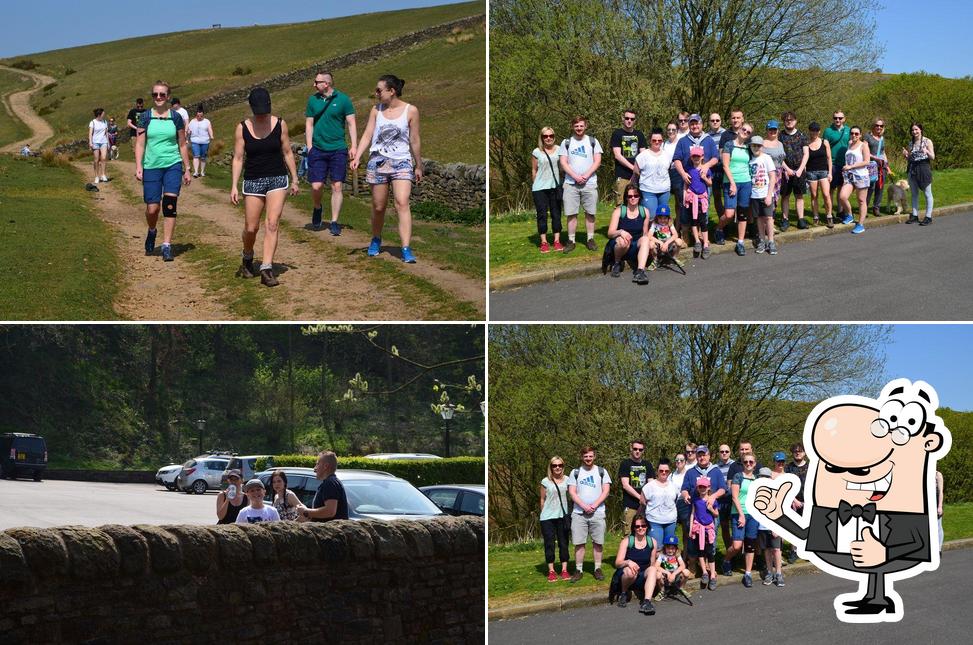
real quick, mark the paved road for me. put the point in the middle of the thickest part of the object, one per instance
(936, 611)
(58, 503)
(891, 273)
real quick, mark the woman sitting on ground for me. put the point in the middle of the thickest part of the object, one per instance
(629, 235)
(636, 553)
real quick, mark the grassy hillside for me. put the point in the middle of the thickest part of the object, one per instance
(445, 79)
(12, 129)
(202, 62)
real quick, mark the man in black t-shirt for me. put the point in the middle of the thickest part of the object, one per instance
(626, 144)
(330, 502)
(133, 119)
(633, 473)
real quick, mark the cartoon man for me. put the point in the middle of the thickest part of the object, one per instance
(869, 515)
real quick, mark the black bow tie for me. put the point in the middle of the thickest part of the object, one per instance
(847, 511)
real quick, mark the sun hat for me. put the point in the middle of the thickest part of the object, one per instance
(756, 140)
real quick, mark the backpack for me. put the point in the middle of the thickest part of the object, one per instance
(172, 117)
(591, 140)
(574, 476)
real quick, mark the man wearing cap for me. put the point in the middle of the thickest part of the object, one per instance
(327, 114)
(256, 512)
(793, 181)
(695, 137)
(330, 502)
(230, 501)
(723, 461)
(704, 468)
(626, 144)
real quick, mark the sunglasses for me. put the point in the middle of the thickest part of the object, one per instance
(634, 196)
(557, 465)
(656, 140)
(856, 134)
(715, 120)
(641, 526)
(663, 472)
(159, 95)
(628, 118)
(747, 131)
(683, 120)
(878, 125)
(548, 136)
(670, 130)
(680, 460)
(839, 118)
(749, 463)
(636, 449)
(726, 452)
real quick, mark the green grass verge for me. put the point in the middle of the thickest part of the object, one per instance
(11, 128)
(514, 239)
(517, 572)
(201, 62)
(58, 258)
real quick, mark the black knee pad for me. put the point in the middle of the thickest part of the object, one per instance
(169, 205)
(749, 545)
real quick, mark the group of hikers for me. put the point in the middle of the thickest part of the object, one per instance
(163, 135)
(746, 176)
(700, 496)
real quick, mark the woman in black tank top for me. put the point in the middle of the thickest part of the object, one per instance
(262, 151)
(819, 172)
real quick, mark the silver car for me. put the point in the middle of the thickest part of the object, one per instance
(372, 494)
(201, 474)
(404, 456)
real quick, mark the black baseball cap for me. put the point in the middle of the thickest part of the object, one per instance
(259, 100)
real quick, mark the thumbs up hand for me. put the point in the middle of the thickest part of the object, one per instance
(868, 552)
(770, 500)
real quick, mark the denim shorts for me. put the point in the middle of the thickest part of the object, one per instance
(200, 150)
(749, 529)
(321, 164)
(741, 200)
(381, 170)
(99, 146)
(651, 201)
(817, 175)
(156, 181)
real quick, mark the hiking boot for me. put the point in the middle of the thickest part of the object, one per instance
(374, 247)
(876, 211)
(779, 580)
(316, 219)
(640, 277)
(706, 253)
(761, 246)
(712, 583)
(727, 568)
(407, 255)
(569, 246)
(719, 237)
(926, 221)
(704, 581)
(591, 245)
(616, 269)
(747, 580)
(150, 242)
(740, 249)
(801, 223)
(912, 219)
(772, 247)
(166, 253)
(267, 278)
(335, 229)
(830, 222)
(697, 249)
(551, 577)
(623, 599)
(599, 575)
(786, 224)
(646, 607)
(246, 269)
(558, 246)
(545, 247)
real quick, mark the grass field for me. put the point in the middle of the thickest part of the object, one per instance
(58, 259)
(517, 572)
(514, 239)
(11, 128)
(202, 62)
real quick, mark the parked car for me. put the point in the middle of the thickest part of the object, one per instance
(458, 499)
(202, 473)
(408, 456)
(166, 476)
(21, 454)
(372, 494)
(246, 465)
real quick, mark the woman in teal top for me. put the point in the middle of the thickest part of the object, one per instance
(735, 158)
(554, 514)
(161, 156)
(546, 179)
(743, 526)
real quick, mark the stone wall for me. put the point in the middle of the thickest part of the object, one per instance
(348, 582)
(113, 476)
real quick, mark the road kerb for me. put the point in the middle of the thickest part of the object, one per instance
(601, 597)
(555, 273)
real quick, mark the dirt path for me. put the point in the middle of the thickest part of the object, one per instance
(19, 104)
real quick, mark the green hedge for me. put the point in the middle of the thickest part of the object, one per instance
(455, 470)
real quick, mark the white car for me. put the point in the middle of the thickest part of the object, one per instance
(166, 476)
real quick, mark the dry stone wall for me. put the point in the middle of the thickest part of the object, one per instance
(349, 582)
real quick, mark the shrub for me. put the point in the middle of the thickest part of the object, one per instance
(69, 71)
(455, 470)
(24, 63)
(49, 87)
(437, 212)
(239, 71)
(53, 159)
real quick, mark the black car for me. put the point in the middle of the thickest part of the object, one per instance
(22, 454)
(458, 499)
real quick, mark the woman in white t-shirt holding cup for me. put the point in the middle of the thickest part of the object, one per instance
(659, 497)
(200, 135)
(98, 142)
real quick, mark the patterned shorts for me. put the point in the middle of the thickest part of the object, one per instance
(381, 170)
(263, 185)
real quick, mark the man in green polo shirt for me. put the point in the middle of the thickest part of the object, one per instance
(328, 112)
(837, 135)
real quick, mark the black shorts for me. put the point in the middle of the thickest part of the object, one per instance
(766, 541)
(761, 208)
(796, 184)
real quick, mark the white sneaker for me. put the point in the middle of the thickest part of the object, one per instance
(103, 178)
(96, 180)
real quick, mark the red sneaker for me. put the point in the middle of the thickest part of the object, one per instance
(552, 577)
(564, 574)
(545, 248)
(559, 247)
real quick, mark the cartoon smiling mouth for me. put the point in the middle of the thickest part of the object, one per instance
(879, 487)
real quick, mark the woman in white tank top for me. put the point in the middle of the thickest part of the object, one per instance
(393, 129)
(855, 175)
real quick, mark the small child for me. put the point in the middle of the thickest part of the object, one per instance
(256, 512)
(696, 198)
(671, 570)
(769, 543)
(763, 176)
(664, 240)
(703, 529)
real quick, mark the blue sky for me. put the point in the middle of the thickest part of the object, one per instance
(932, 36)
(941, 355)
(41, 25)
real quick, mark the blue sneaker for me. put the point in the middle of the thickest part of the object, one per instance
(847, 219)
(374, 247)
(858, 229)
(407, 255)
(316, 219)
(719, 236)
(167, 253)
(747, 580)
(335, 229)
(150, 242)
(740, 249)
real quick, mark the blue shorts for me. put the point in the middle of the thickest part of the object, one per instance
(156, 181)
(99, 146)
(200, 150)
(321, 164)
(659, 532)
(749, 529)
(741, 200)
(651, 201)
